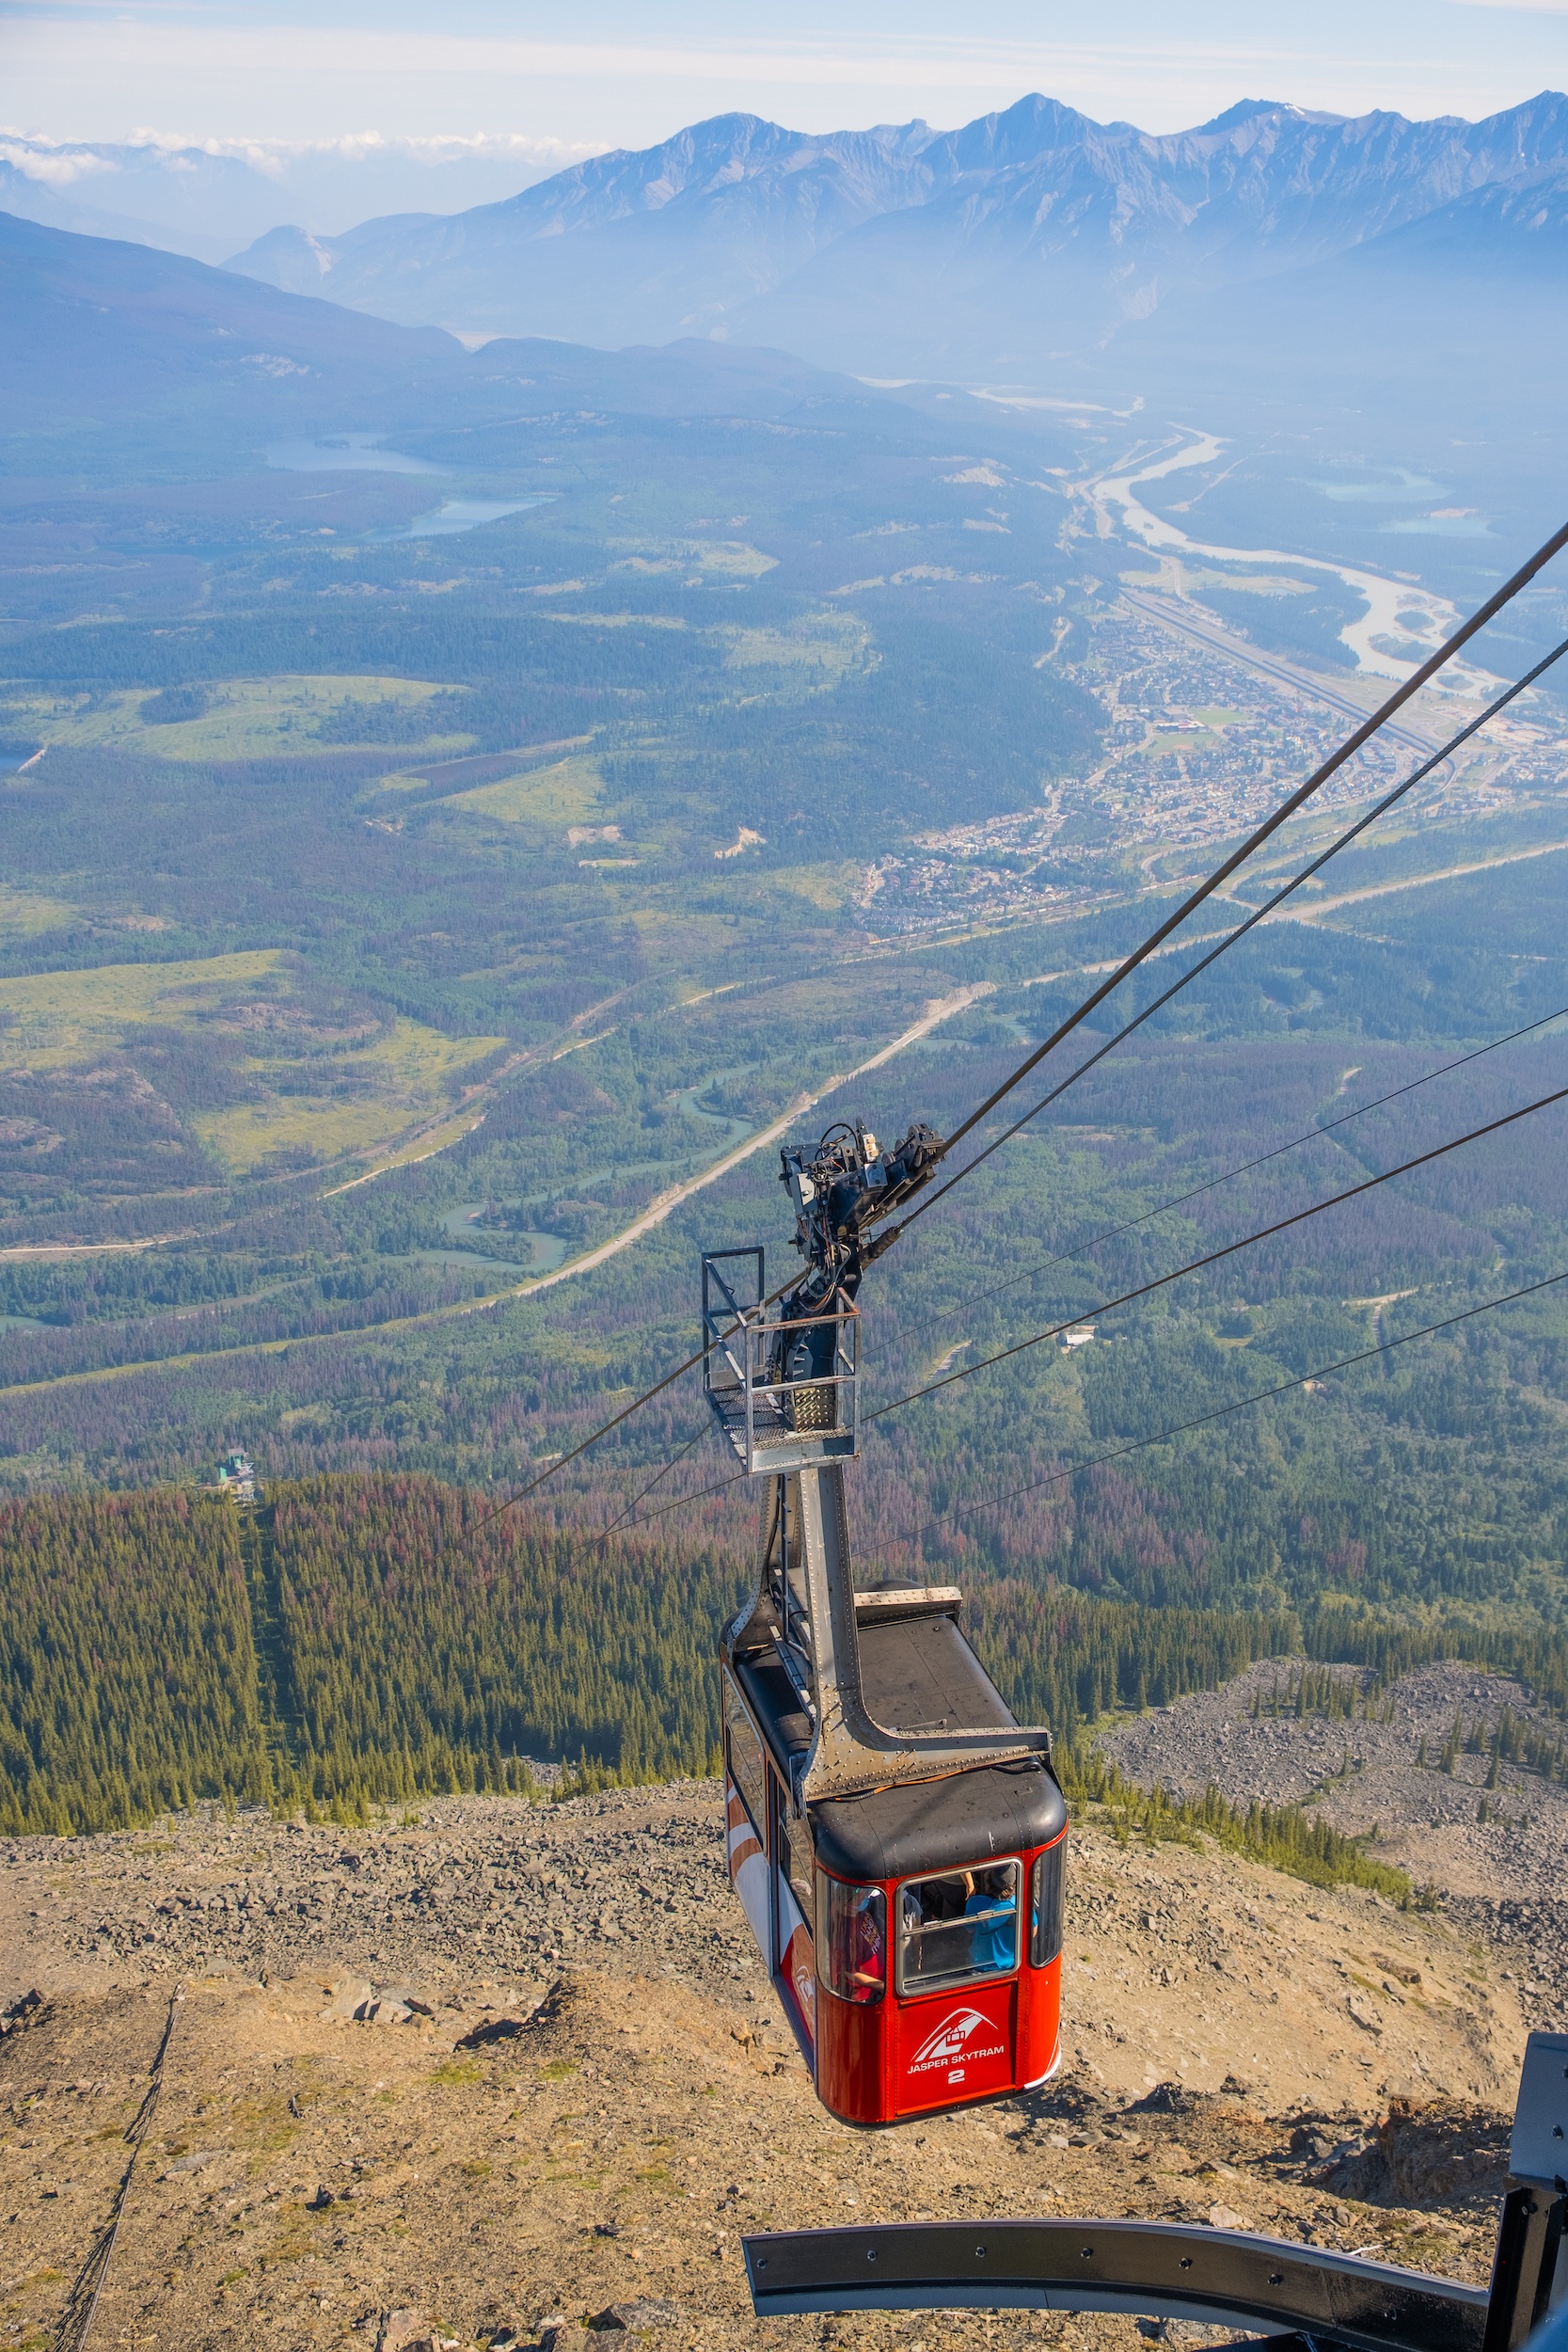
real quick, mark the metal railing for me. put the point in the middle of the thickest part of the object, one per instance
(1161, 2270)
(772, 1422)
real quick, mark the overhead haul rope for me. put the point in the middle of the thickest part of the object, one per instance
(1195, 1265)
(614, 1422)
(1065, 1257)
(1303, 793)
(1206, 889)
(1261, 1396)
(1378, 809)
(629, 1511)
(1214, 1257)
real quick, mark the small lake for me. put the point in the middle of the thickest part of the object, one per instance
(456, 515)
(346, 453)
(536, 1253)
(22, 1323)
(1396, 485)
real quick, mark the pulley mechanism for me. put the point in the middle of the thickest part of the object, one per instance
(847, 1185)
(839, 1194)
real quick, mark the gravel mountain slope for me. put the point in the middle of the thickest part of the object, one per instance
(515, 2064)
(1420, 1771)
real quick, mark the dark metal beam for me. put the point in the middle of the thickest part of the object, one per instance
(1160, 2269)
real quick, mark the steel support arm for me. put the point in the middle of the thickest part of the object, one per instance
(1159, 2269)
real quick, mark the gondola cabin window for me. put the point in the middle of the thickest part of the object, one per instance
(745, 1754)
(959, 1928)
(796, 1861)
(852, 1939)
(1047, 1880)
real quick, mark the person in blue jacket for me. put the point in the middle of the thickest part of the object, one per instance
(990, 1901)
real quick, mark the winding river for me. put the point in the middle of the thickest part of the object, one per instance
(1395, 608)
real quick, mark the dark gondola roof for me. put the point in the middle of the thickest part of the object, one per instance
(919, 1674)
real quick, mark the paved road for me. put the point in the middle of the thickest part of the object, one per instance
(937, 1012)
(1314, 908)
(940, 1010)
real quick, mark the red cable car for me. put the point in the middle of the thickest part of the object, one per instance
(895, 1837)
(913, 1930)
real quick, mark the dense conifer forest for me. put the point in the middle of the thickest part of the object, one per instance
(367, 1641)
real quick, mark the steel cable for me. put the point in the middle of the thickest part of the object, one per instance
(1214, 1257)
(1130, 1224)
(627, 1516)
(614, 1422)
(1143, 1290)
(1218, 1412)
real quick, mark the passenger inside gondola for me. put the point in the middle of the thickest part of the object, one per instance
(991, 1903)
(958, 1927)
(857, 1942)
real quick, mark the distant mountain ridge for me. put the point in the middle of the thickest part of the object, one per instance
(1032, 232)
(102, 333)
(203, 200)
(119, 358)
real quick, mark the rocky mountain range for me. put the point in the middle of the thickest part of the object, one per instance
(1028, 235)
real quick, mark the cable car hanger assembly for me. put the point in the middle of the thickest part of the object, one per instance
(786, 1393)
(894, 1836)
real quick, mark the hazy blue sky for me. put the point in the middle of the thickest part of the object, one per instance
(604, 72)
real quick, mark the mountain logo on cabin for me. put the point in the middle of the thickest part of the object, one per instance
(951, 2041)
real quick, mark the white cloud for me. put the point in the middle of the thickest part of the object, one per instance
(60, 161)
(55, 170)
(376, 146)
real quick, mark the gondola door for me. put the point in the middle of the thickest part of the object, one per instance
(794, 1953)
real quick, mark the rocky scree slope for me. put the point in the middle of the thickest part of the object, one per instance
(519, 2065)
(1426, 1783)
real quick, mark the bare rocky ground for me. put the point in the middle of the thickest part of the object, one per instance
(515, 2064)
(1505, 1879)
